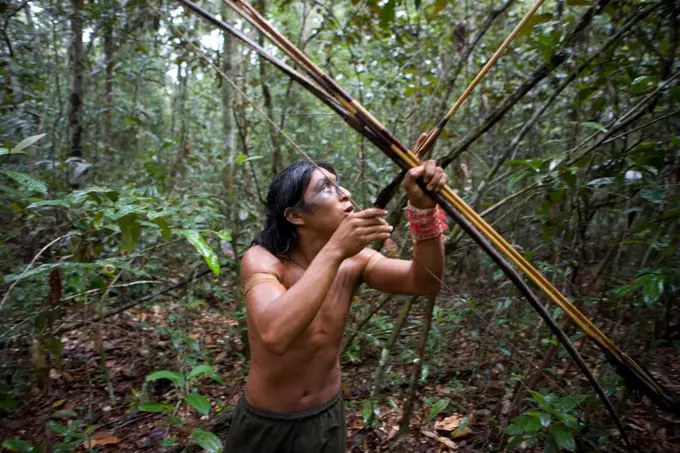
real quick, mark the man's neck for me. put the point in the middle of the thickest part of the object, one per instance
(307, 248)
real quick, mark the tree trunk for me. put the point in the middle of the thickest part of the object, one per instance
(108, 83)
(76, 69)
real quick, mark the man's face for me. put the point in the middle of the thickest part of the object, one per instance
(328, 203)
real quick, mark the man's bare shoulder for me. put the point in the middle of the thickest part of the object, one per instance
(259, 259)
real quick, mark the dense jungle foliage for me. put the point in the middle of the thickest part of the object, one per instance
(133, 178)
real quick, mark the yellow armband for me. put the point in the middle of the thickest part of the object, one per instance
(257, 279)
(371, 262)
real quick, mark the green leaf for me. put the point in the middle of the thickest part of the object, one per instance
(200, 370)
(563, 437)
(173, 421)
(198, 402)
(596, 126)
(225, 235)
(17, 445)
(7, 403)
(438, 6)
(570, 402)
(165, 228)
(601, 182)
(207, 440)
(130, 230)
(388, 13)
(65, 413)
(174, 376)
(461, 427)
(533, 425)
(25, 143)
(155, 407)
(536, 19)
(626, 290)
(652, 287)
(26, 181)
(579, 2)
(6, 152)
(655, 195)
(195, 239)
(544, 419)
(436, 408)
(515, 441)
(56, 427)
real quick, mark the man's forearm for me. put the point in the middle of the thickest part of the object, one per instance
(286, 317)
(428, 260)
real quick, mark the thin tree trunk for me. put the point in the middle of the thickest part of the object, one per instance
(417, 369)
(76, 69)
(108, 84)
(385, 354)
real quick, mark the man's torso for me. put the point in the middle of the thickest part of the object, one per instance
(308, 374)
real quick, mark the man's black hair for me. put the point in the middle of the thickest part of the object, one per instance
(286, 190)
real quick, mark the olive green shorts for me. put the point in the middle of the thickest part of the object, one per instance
(318, 430)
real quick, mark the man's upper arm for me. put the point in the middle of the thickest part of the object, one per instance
(261, 279)
(387, 274)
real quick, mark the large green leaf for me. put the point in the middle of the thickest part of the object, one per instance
(593, 125)
(155, 407)
(25, 143)
(17, 445)
(174, 376)
(201, 370)
(563, 437)
(436, 408)
(207, 440)
(198, 402)
(26, 181)
(130, 230)
(655, 195)
(388, 13)
(195, 239)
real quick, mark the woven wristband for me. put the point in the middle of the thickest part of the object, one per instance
(425, 224)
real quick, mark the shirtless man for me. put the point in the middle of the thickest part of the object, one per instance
(299, 280)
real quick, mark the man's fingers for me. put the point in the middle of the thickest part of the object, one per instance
(370, 222)
(370, 213)
(367, 231)
(429, 171)
(414, 173)
(421, 139)
(438, 180)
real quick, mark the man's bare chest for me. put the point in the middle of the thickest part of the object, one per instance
(330, 319)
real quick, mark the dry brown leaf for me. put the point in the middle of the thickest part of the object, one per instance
(449, 423)
(449, 443)
(101, 439)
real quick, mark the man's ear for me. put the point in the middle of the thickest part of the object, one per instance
(293, 216)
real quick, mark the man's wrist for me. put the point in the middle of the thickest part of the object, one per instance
(332, 254)
(423, 204)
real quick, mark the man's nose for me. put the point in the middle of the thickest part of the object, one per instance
(344, 193)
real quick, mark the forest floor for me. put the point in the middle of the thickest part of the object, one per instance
(134, 348)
